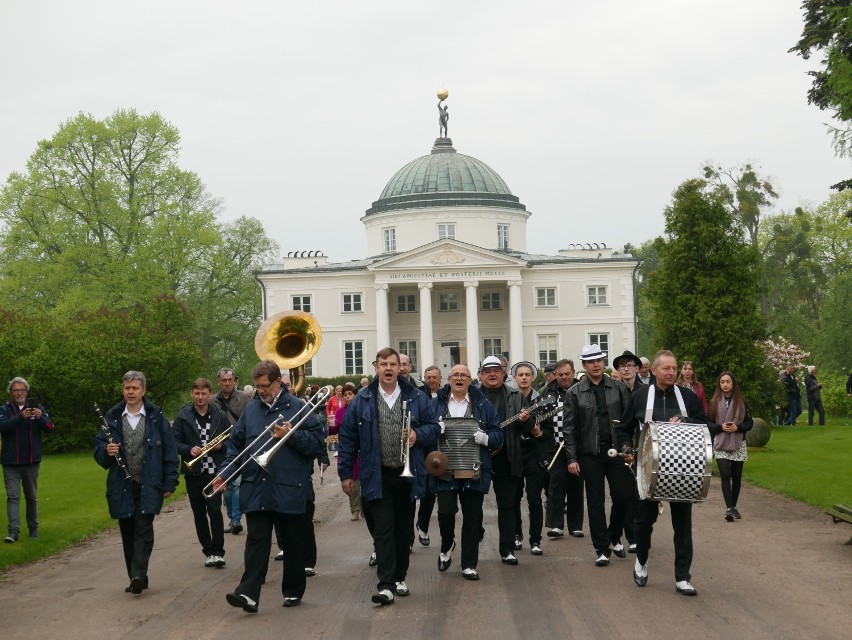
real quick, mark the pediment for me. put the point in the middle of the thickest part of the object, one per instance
(448, 254)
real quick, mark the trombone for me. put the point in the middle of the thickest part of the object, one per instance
(212, 444)
(263, 454)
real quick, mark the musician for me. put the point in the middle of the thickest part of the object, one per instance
(645, 375)
(565, 490)
(507, 464)
(196, 424)
(144, 436)
(432, 383)
(590, 407)
(405, 371)
(536, 451)
(668, 404)
(233, 402)
(22, 422)
(459, 400)
(278, 495)
(373, 426)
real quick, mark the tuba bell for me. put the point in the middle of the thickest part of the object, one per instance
(290, 339)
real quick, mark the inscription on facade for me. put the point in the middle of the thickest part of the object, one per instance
(447, 275)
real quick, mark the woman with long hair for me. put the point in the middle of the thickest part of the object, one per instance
(687, 379)
(729, 421)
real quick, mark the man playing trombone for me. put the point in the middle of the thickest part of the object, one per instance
(274, 489)
(200, 430)
(392, 467)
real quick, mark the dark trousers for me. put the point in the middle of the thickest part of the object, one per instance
(424, 513)
(209, 523)
(290, 527)
(794, 403)
(137, 538)
(535, 481)
(16, 476)
(596, 469)
(309, 535)
(815, 404)
(646, 515)
(629, 524)
(392, 528)
(506, 488)
(731, 476)
(564, 497)
(471, 508)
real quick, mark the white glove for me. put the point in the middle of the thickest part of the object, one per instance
(480, 437)
(441, 424)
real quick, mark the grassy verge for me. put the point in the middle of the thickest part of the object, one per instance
(71, 507)
(810, 464)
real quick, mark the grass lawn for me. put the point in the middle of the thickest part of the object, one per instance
(810, 464)
(71, 507)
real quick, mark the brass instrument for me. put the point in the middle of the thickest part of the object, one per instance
(405, 436)
(262, 459)
(212, 444)
(290, 339)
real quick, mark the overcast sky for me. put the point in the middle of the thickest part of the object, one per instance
(299, 113)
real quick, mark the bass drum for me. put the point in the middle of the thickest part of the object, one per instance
(673, 462)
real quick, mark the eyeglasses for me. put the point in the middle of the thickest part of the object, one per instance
(263, 387)
(628, 366)
(459, 376)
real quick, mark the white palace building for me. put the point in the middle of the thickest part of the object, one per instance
(449, 279)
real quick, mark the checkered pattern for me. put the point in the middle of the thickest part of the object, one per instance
(683, 462)
(557, 422)
(207, 464)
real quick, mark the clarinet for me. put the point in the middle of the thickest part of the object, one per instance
(108, 433)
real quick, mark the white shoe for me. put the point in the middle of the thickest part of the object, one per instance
(218, 561)
(335, 454)
(383, 597)
(685, 587)
(602, 560)
(640, 574)
(536, 550)
(280, 555)
(470, 574)
(210, 562)
(402, 589)
(555, 533)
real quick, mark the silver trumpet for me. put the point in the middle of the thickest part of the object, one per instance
(405, 452)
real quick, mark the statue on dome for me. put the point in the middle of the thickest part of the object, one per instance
(443, 117)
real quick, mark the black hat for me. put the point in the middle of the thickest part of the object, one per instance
(550, 367)
(627, 355)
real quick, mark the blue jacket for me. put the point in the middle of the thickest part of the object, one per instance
(359, 433)
(21, 437)
(489, 422)
(159, 469)
(285, 485)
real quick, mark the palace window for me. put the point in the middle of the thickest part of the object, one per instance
(409, 348)
(597, 295)
(502, 236)
(545, 297)
(301, 303)
(448, 301)
(353, 357)
(491, 301)
(352, 303)
(602, 340)
(492, 347)
(547, 346)
(405, 303)
(446, 230)
(390, 239)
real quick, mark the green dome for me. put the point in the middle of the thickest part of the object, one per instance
(445, 178)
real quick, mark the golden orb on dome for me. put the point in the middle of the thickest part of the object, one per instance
(443, 94)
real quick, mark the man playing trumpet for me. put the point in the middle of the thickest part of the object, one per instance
(277, 495)
(373, 427)
(200, 430)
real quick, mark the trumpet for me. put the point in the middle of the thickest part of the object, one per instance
(212, 444)
(262, 455)
(405, 452)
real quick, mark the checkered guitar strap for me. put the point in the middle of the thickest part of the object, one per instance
(557, 421)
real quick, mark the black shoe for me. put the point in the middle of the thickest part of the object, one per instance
(12, 537)
(640, 574)
(555, 533)
(383, 597)
(373, 561)
(34, 534)
(237, 528)
(292, 602)
(510, 559)
(310, 572)
(729, 515)
(470, 574)
(229, 528)
(518, 543)
(576, 534)
(736, 513)
(242, 601)
(423, 537)
(618, 549)
(602, 559)
(685, 587)
(631, 548)
(443, 564)
(137, 584)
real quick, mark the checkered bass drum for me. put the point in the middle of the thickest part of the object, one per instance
(673, 462)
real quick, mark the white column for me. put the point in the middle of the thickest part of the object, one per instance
(516, 323)
(382, 318)
(472, 311)
(427, 340)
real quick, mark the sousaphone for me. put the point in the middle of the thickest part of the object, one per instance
(290, 339)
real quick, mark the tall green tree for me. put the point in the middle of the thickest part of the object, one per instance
(705, 293)
(828, 29)
(647, 340)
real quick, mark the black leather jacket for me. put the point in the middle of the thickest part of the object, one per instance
(581, 416)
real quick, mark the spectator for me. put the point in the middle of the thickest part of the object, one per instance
(233, 402)
(349, 392)
(813, 389)
(22, 422)
(645, 376)
(794, 395)
(687, 379)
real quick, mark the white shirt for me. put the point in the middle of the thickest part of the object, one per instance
(390, 398)
(457, 408)
(133, 418)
